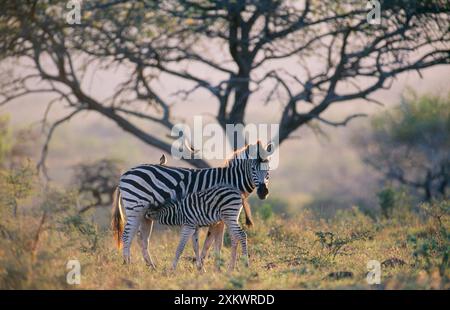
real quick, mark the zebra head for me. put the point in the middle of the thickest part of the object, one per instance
(260, 169)
(257, 158)
(155, 212)
(152, 213)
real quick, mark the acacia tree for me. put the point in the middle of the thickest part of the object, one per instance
(410, 145)
(238, 45)
(96, 181)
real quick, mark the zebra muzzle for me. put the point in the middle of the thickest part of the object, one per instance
(262, 191)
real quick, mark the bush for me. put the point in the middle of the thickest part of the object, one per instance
(432, 246)
(96, 182)
(265, 211)
(272, 205)
(5, 138)
(410, 145)
(386, 198)
(16, 185)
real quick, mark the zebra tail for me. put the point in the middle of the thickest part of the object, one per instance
(117, 223)
(247, 211)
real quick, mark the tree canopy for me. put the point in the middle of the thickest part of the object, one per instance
(410, 145)
(238, 45)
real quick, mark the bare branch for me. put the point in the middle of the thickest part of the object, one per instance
(342, 123)
(41, 163)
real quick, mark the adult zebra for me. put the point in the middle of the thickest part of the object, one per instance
(145, 186)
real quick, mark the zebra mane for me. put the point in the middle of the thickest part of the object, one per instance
(242, 153)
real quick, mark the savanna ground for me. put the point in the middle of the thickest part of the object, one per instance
(294, 252)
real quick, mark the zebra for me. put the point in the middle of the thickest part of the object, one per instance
(203, 208)
(146, 186)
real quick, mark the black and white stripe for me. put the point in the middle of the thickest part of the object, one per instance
(204, 208)
(147, 186)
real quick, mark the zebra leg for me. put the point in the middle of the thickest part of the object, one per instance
(146, 230)
(232, 264)
(237, 235)
(243, 240)
(215, 233)
(218, 243)
(186, 233)
(198, 261)
(134, 214)
(218, 238)
(129, 231)
(208, 242)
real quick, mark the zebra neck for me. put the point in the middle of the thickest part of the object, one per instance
(239, 176)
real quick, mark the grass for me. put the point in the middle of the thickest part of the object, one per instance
(300, 252)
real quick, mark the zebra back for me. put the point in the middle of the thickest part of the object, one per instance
(200, 208)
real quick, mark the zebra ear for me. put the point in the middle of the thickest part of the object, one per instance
(261, 151)
(270, 148)
(265, 153)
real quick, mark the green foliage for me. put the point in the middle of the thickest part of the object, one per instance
(80, 231)
(272, 205)
(38, 242)
(418, 121)
(56, 200)
(335, 244)
(410, 145)
(17, 176)
(237, 282)
(386, 198)
(265, 211)
(16, 184)
(393, 202)
(5, 138)
(432, 246)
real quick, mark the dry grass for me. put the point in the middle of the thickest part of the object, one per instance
(302, 252)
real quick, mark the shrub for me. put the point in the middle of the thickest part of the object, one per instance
(386, 199)
(265, 211)
(5, 138)
(16, 185)
(432, 245)
(271, 205)
(410, 145)
(96, 182)
(334, 244)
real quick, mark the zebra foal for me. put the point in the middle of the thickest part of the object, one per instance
(204, 208)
